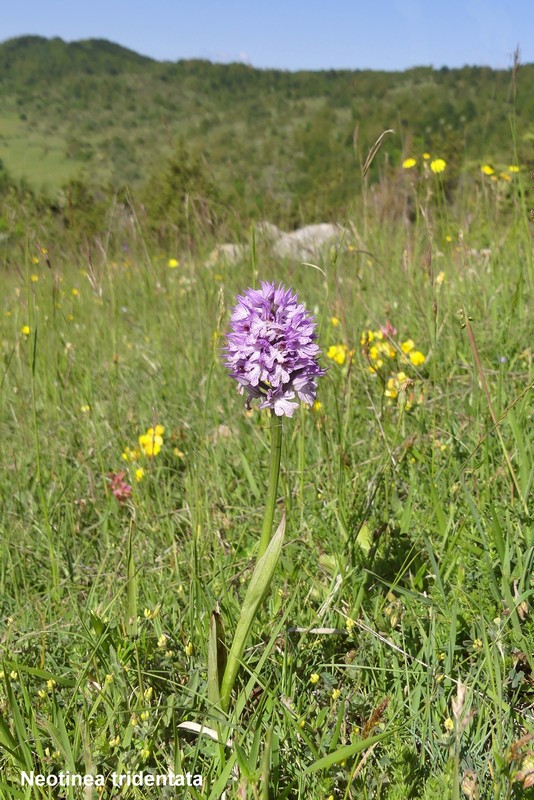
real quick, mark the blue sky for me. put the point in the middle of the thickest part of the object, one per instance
(311, 34)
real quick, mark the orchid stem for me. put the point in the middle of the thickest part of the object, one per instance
(274, 472)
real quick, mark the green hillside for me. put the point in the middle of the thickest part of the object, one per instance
(290, 144)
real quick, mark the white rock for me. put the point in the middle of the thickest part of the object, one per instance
(229, 254)
(307, 242)
(268, 232)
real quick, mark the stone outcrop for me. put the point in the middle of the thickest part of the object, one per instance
(303, 244)
(307, 242)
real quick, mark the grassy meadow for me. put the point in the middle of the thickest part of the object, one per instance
(390, 652)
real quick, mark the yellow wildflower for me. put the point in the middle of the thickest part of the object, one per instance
(162, 641)
(159, 430)
(189, 649)
(172, 263)
(130, 455)
(314, 678)
(139, 474)
(438, 165)
(408, 163)
(407, 346)
(85, 409)
(317, 406)
(427, 156)
(367, 337)
(34, 278)
(75, 292)
(25, 330)
(150, 443)
(417, 358)
(487, 170)
(50, 684)
(385, 349)
(440, 278)
(448, 725)
(513, 168)
(336, 694)
(391, 388)
(338, 353)
(334, 321)
(505, 176)
(477, 644)
(35, 260)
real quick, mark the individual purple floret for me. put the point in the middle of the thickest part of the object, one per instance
(271, 350)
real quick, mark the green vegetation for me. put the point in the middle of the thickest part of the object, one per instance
(392, 655)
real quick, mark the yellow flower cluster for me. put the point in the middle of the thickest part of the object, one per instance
(386, 357)
(377, 349)
(149, 444)
(415, 356)
(339, 353)
(436, 165)
(151, 441)
(395, 384)
(489, 171)
(130, 455)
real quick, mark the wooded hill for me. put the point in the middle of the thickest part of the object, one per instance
(284, 145)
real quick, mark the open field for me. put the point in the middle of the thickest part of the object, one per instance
(408, 560)
(357, 621)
